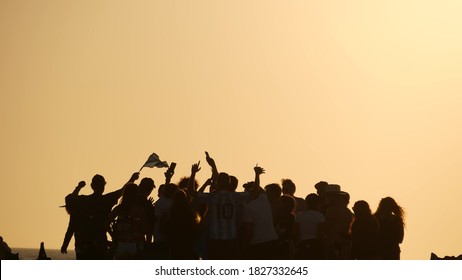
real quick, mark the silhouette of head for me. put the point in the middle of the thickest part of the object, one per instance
(273, 191)
(248, 186)
(233, 183)
(222, 181)
(286, 204)
(130, 194)
(339, 198)
(361, 209)
(169, 190)
(288, 187)
(321, 188)
(160, 190)
(180, 199)
(146, 186)
(312, 201)
(97, 184)
(388, 206)
(183, 183)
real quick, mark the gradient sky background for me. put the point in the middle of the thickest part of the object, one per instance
(365, 94)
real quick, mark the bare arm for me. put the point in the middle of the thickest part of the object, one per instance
(169, 173)
(258, 171)
(191, 188)
(205, 185)
(213, 165)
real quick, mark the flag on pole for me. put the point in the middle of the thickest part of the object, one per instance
(154, 161)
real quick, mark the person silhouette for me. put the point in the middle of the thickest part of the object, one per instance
(73, 216)
(181, 227)
(222, 214)
(289, 188)
(337, 226)
(284, 225)
(364, 232)
(263, 243)
(308, 230)
(162, 207)
(273, 191)
(146, 187)
(92, 210)
(391, 228)
(128, 224)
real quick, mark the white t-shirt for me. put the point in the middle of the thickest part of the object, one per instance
(258, 212)
(222, 215)
(308, 222)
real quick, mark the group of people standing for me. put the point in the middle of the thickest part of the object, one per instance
(214, 221)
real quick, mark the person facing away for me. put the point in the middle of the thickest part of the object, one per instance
(273, 191)
(284, 225)
(308, 230)
(73, 216)
(288, 188)
(364, 232)
(322, 188)
(92, 210)
(391, 228)
(161, 208)
(127, 224)
(338, 222)
(221, 219)
(180, 227)
(146, 186)
(258, 219)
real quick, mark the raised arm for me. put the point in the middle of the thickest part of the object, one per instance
(135, 176)
(194, 169)
(213, 165)
(78, 188)
(258, 171)
(205, 185)
(169, 173)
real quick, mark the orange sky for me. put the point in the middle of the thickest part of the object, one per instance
(365, 94)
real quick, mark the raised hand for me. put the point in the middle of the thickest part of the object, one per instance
(81, 184)
(169, 173)
(259, 170)
(195, 168)
(210, 160)
(135, 176)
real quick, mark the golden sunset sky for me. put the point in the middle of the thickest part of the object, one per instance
(364, 94)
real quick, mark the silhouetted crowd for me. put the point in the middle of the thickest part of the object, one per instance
(214, 221)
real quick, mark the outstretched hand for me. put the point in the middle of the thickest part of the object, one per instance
(210, 160)
(259, 170)
(195, 168)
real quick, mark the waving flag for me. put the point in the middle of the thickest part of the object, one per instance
(154, 161)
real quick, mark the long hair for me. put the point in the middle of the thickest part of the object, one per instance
(130, 196)
(389, 207)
